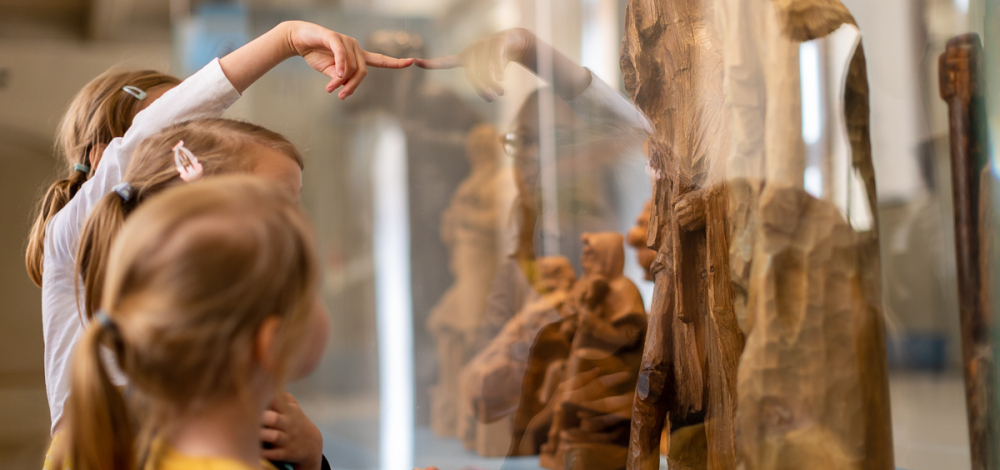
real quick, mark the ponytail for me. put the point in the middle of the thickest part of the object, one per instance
(99, 112)
(96, 239)
(100, 434)
(57, 196)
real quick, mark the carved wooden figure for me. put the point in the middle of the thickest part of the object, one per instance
(470, 227)
(585, 425)
(607, 321)
(961, 79)
(813, 380)
(672, 65)
(636, 238)
(742, 249)
(491, 382)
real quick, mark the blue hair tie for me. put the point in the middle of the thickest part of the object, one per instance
(102, 319)
(81, 167)
(124, 190)
(137, 92)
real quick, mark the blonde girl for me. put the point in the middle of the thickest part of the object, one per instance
(99, 113)
(206, 94)
(210, 304)
(218, 146)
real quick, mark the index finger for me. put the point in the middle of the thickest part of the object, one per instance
(582, 378)
(383, 61)
(446, 62)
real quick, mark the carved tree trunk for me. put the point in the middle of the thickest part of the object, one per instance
(673, 69)
(813, 381)
(961, 86)
(787, 268)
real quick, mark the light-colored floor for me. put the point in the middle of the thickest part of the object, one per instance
(928, 422)
(928, 412)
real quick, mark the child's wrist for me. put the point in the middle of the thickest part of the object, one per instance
(287, 30)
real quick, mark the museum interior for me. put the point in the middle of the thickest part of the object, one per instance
(587, 234)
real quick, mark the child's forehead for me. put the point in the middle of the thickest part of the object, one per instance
(276, 166)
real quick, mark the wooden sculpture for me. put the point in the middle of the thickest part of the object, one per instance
(962, 88)
(608, 320)
(813, 378)
(672, 65)
(470, 228)
(491, 382)
(742, 249)
(636, 238)
(601, 332)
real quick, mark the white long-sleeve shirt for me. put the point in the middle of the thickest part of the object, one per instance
(206, 94)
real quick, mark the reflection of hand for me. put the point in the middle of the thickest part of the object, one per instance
(294, 439)
(690, 210)
(337, 56)
(588, 387)
(598, 415)
(486, 60)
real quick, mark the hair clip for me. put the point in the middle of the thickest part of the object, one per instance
(81, 167)
(102, 319)
(124, 190)
(137, 92)
(187, 164)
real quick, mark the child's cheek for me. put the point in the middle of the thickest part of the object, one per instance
(316, 338)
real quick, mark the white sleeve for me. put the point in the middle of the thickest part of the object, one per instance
(605, 110)
(207, 93)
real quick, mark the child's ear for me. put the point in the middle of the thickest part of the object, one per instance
(95, 155)
(265, 351)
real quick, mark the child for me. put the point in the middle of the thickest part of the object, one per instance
(100, 112)
(216, 146)
(205, 94)
(211, 304)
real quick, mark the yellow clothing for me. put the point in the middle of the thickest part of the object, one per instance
(50, 454)
(166, 458)
(169, 459)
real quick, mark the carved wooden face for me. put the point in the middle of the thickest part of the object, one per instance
(636, 238)
(603, 254)
(557, 273)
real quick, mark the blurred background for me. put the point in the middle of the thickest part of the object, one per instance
(379, 229)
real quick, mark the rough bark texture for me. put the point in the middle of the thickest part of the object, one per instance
(673, 68)
(962, 88)
(813, 381)
(761, 256)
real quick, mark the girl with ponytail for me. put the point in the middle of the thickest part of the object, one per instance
(206, 94)
(210, 304)
(99, 113)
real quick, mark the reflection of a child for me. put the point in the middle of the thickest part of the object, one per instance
(599, 164)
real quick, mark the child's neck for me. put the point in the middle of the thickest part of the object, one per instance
(230, 429)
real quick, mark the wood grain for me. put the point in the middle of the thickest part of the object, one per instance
(960, 68)
(673, 68)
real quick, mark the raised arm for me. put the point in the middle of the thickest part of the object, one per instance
(486, 60)
(335, 55)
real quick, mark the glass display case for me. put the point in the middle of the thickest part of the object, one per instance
(599, 234)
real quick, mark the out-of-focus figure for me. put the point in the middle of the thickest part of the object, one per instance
(490, 385)
(470, 228)
(435, 122)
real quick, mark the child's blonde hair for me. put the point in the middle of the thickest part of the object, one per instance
(99, 113)
(221, 145)
(195, 274)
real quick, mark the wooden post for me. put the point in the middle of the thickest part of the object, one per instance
(961, 88)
